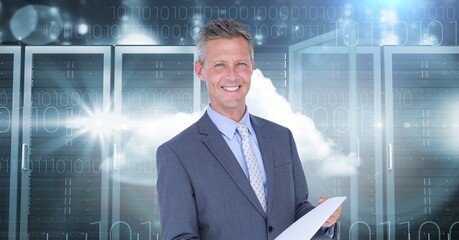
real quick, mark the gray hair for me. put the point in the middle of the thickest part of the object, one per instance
(221, 28)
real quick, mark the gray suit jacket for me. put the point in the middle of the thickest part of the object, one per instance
(203, 192)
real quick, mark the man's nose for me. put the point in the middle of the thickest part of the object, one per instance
(231, 73)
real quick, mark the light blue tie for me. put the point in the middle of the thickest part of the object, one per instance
(256, 181)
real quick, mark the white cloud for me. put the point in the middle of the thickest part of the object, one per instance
(264, 101)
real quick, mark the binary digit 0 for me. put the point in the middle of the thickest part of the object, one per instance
(351, 33)
(340, 116)
(431, 29)
(429, 222)
(120, 223)
(55, 121)
(320, 115)
(3, 98)
(356, 224)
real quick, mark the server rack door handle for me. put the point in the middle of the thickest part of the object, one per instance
(25, 157)
(390, 157)
(115, 157)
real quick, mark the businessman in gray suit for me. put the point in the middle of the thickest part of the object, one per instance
(231, 175)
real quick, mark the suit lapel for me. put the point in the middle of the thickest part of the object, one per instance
(219, 148)
(266, 149)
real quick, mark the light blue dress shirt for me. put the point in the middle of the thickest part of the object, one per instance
(227, 128)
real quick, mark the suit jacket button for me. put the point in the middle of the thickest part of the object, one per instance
(270, 229)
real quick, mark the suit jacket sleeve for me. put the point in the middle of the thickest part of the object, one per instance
(175, 197)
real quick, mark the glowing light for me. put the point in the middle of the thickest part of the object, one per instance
(53, 10)
(388, 21)
(136, 39)
(388, 17)
(396, 3)
(197, 24)
(82, 28)
(258, 38)
(348, 11)
(98, 123)
(429, 40)
(389, 39)
(27, 23)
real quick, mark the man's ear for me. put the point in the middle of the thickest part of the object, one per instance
(198, 70)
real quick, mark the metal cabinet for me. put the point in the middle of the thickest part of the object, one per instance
(65, 163)
(10, 67)
(422, 99)
(273, 64)
(151, 82)
(339, 88)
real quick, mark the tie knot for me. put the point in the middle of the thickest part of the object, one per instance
(243, 130)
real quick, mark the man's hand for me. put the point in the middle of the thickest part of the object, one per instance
(334, 217)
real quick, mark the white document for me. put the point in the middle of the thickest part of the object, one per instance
(305, 227)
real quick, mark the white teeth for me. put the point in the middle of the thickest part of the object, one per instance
(231, 89)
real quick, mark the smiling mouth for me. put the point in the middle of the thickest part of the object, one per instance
(231, 89)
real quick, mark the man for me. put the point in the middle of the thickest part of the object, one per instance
(212, 187)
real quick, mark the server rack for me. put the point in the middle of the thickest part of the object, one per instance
(151, 82)
(273, 64)
(10, 71)
(65, 161)
(422, 99)
(340, 89)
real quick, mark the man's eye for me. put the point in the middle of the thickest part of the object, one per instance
(219, 65)
(242, 64)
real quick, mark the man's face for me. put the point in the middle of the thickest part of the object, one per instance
(227, 70)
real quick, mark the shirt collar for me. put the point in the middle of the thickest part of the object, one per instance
(226, 125)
